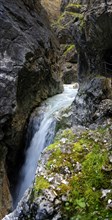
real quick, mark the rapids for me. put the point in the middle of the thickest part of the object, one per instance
(41, 133)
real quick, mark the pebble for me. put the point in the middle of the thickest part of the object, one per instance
(64, 198)
(110, 158)
(50, 179)
(64, 182)
(109, 201)
(105, 192)
(57, 202)
(109, 204)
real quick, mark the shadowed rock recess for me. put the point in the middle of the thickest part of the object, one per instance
(73, 180)
(70, 11)
(93, 40)
(28, 56)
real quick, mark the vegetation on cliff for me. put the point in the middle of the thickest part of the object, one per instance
(84, 162)
(74, 176)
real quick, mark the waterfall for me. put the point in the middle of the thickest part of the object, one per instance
(41, 133)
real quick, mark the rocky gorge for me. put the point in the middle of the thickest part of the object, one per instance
(73, 178)
(28, 58)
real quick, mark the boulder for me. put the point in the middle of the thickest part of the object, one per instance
(68, 63)
(69, 72)
(88, 99)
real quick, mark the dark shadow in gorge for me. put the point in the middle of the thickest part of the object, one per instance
(107, 62)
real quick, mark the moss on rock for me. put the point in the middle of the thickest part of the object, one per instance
(75, 5)
(69, 48)
(83, 163)
(40, 184)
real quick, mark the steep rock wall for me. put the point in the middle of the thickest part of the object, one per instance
(74, 172)
(93, 40)
(28, 71)
(70, 11)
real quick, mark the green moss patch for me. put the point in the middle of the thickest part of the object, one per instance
(74, 5)
(69, 48)
(85, 182)
(79, 170)
(66, 18)
(40, 184)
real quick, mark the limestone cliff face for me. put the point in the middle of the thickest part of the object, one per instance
(28, 74)
(93, 40)
(70, 11)
(74, 175)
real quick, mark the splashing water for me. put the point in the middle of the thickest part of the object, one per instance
(43, 132)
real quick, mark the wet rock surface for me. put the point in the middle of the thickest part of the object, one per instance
(74, 176)
(28, 54)
(90, 99)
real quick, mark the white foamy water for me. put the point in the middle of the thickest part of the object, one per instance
(43, 136)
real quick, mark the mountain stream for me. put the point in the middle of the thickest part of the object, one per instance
(41, 132)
